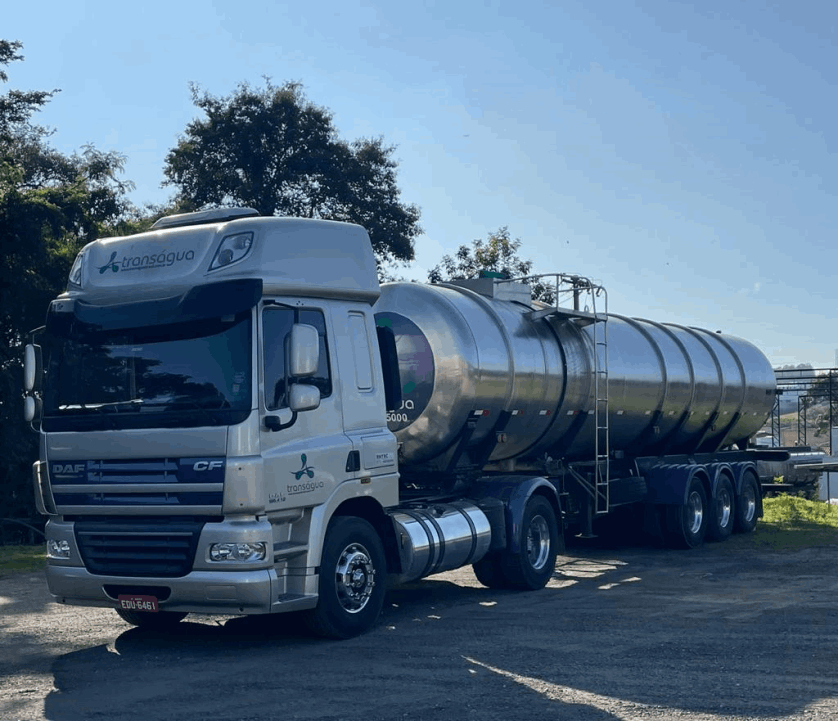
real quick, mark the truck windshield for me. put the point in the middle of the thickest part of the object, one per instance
(185, 375)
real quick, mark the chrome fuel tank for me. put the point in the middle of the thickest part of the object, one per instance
(477, 358)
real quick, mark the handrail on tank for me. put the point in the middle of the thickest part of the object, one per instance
(568, 285)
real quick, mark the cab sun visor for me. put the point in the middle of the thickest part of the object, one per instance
(212, 300)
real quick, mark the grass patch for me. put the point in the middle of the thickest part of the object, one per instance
(22, 558)
(790, 523)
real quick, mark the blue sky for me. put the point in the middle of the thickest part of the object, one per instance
(684, 155)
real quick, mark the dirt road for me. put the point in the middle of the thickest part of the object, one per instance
(713, 634)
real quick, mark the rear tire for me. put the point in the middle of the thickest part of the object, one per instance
(686, 525)
(722, 511)
(160, 621)
(533, 567)
(353, 574)
(747, 505)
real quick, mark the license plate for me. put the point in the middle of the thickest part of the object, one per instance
(138, 603)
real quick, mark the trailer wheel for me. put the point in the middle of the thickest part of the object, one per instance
(747, 504)
(533, 567)
(489, 571)
(160, 621)
(722, 511)
(353, 574)
(686, 524)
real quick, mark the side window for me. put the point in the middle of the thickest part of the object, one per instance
(361, 349)
(276, 330)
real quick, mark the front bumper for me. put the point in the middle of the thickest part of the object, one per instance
(230, 588)
(245, 592)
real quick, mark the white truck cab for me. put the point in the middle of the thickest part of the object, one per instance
(213, 396)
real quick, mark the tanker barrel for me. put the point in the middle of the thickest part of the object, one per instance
(468, 355)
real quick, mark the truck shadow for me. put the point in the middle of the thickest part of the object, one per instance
(617, 634)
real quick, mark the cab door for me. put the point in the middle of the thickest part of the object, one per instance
(304, 454)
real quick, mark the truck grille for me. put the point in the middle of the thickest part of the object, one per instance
(161, 549)
(190, 484)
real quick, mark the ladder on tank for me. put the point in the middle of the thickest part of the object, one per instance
(582, 293)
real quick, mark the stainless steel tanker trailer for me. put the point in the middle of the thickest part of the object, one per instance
(615, 410)
(236, 418)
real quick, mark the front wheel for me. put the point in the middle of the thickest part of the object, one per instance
(353, 574)
(160, 621)
(533, 567)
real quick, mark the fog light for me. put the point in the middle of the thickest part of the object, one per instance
(58, 549)
(238, 551)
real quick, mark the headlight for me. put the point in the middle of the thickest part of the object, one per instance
(238, 551)
(232, 249)
(58, 549)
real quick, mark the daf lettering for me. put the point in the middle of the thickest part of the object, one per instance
(58, 468)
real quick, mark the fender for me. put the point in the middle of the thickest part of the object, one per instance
(668, 484)
(385, 495)
(514, 492)
(716, 471)
(739, 470)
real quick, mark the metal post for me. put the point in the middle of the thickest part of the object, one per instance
(806, 420)
(831, 449)
(801, 420)
(831, 403)
(776, 431)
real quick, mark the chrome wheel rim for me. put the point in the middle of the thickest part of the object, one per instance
(354, 578)
(749, 501)
(724, 507)
(695, 512)
(538, 542)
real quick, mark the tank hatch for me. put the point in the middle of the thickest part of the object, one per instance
(497, 288)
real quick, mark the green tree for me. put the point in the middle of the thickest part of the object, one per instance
(497, 254)
(50, 205)
(274, 150)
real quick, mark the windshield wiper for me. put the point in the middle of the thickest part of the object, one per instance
(99, 408)
(134, 402)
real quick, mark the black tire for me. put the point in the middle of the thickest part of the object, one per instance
(722, 511)
(160, 621)
(686, 525)
(353, 574)
(533, 567)
(747, 505)
(489, 571)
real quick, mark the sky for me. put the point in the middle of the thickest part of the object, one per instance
(683, 155)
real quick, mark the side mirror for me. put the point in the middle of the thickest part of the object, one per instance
(32, 409)
(31, 367)
(304, 351)
(303, 397)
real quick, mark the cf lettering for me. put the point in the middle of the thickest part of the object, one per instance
(207, 465)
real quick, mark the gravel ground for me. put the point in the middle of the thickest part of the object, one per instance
(715, 634)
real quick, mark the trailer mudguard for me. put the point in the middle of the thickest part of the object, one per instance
(739, 470)
(717, 471)
(514, 492)
(669, 484)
